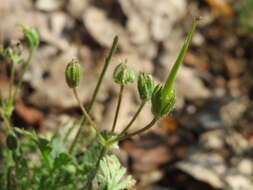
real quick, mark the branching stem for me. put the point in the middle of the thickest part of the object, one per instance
(133, 119)
(148, 126)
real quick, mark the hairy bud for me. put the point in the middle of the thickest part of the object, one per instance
(123, 74)
(73, 73)
(146, 86)
(163, 101)
(31, 37)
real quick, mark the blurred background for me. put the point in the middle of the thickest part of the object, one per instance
(206, 143)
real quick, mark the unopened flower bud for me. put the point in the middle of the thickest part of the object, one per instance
(31, 37)
(146, 86)
(124, 74)
(73, 73)
(12, 141)
(163, 101)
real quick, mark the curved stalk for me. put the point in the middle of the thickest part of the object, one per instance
(85, 113)
(133, 119)
(148, 126)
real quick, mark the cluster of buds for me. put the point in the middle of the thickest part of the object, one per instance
(163, 97)
(12, 53)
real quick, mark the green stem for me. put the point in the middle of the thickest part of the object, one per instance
(102, 153)
(85, 113)
(11, 80)
(1, 98)
(45, 159)
(101, 77)
(119, 138)
(6, 121)
(118, 108)
(94, 96)
(20, 82)
(133, 119)
(16, 163)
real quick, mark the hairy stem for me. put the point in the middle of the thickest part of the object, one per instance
(133, 119)
(118, 108)
(85, 113)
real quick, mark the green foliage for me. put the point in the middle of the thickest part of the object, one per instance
(245, 15)
(12, 141)
(112, 175)
(8, 108)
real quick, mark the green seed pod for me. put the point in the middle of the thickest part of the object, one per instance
(123, 74)
(73, 73)
(146, 86)
(162, 104)
(12, 141)
(31, 37)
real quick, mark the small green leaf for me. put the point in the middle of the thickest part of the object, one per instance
(44, 145)
(112, 175)
(57, 148)
(63, 159)
(32, 136)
